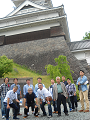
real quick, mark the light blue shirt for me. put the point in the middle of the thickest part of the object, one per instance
(82, 81)
(18, 90)
(25, 88)
(36, 88)
(11, 95)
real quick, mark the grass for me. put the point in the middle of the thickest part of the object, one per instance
(23, 72)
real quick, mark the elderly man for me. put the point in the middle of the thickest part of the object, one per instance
(43, 92)
(29, 101)
(83, 91)
(25, 90)
(60, 94)
(8, 102)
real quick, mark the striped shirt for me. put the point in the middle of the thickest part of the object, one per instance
(4, 89)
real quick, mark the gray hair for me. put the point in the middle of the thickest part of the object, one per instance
(15, 87)
(57, 77)
(29, 88)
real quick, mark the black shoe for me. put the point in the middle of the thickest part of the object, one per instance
(59, 115)
(15, 118)
(66, 114)
(43, 115)
(39, 114)
(36, 114)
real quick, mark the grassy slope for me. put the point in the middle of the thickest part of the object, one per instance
(21, 72)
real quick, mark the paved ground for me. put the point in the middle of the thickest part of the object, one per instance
(72, 115)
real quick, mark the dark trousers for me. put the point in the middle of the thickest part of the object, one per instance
(43, 108)
(61, 98)
(17, 104)
(73, 100)
(7, 110)
(69, 102)
(55, 105)
(32, 106)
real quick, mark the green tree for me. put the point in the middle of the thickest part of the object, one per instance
(87, 36)
(61, 69)
(6, 65)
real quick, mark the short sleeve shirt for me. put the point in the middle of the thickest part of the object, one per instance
(11, 95)
(18, 90)
(30, 98)
(43, 93)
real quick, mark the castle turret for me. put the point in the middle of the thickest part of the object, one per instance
(46, 3)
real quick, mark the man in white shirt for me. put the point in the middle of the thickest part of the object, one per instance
(8, 102)
(47, 98)
(36, 88)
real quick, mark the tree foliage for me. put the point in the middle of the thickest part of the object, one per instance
(6, 65)
(87, 36)
(61, 69)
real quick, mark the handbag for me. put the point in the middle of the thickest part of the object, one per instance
(50, 98)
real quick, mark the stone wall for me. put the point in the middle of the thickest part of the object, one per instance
(85, 65)
(37, 54)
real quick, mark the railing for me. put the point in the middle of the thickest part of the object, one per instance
(21, 82)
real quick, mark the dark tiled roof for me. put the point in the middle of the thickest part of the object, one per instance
(79, 45)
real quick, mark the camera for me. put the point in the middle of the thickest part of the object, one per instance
(71, 92)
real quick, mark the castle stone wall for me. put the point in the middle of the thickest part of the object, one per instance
(37, 54)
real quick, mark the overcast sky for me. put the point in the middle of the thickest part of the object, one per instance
(78, 15)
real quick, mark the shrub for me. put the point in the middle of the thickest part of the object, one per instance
(6, 65)
(61, 69)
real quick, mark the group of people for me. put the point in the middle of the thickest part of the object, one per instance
(36, 98)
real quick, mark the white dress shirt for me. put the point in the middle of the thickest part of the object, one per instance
(43, 93)
(11, 95)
